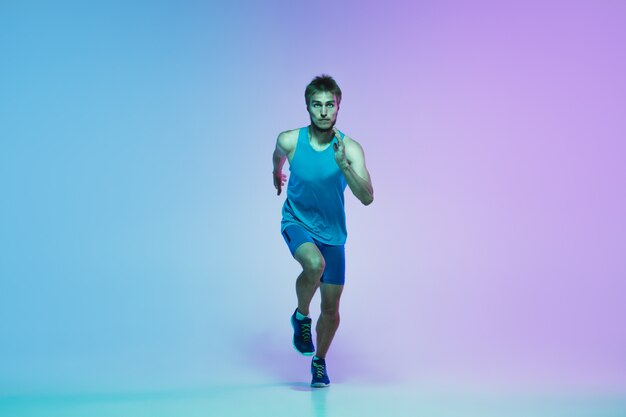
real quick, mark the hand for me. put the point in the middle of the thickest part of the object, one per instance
(279, 181)
(340, 151)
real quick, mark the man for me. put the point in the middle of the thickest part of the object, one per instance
(313, 216)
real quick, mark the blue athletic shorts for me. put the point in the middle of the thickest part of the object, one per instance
(334, 255)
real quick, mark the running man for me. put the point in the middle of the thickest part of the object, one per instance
(322, 161)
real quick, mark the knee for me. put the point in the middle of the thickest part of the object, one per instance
(331, 312)
(314, 266)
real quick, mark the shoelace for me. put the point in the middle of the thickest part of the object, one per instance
(319, 370)
(305, 328)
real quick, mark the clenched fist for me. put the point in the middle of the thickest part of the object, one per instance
(340, 151)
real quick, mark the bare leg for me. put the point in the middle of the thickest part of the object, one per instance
(308, 281)
(328, 322)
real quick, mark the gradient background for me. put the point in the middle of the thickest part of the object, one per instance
(140, 242)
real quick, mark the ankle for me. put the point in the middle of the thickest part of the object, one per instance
(301, 316)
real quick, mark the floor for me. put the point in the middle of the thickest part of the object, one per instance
(342, 399)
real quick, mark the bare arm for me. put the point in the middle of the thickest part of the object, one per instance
(351, 160)
(284, 145)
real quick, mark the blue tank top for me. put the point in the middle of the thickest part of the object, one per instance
(315, 198)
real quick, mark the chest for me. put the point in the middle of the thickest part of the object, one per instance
(313, 166)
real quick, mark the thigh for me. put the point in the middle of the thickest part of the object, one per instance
(310, 258)
(295, 236)
(303, 248)
(335, 270)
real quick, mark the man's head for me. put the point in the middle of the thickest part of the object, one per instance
(322, 97)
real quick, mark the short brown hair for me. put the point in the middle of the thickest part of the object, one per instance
(322, 83)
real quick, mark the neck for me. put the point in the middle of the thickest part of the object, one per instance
(320, 136)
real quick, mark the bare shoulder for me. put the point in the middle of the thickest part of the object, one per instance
(352, 145)
(287, 140)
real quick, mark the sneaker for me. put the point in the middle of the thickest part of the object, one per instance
(302, 340)
(320, 377)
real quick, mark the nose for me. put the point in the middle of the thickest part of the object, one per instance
(324, 111)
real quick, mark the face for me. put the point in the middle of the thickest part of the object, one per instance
(323, 109)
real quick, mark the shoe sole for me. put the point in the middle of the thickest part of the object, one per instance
(302, 353)
(319, 385)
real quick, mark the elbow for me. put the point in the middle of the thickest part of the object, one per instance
(368, 200)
